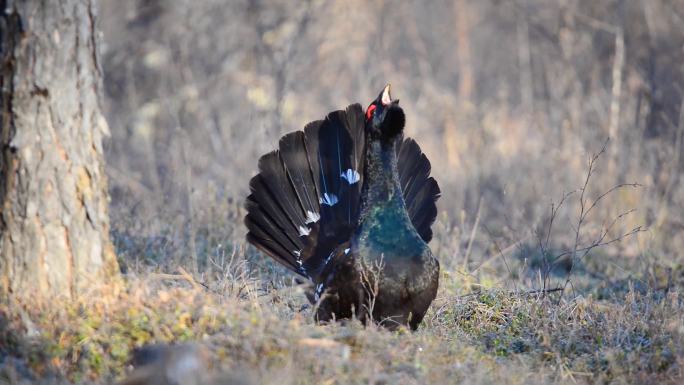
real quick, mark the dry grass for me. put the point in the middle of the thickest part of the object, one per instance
(631, 335)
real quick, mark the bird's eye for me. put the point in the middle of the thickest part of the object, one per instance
(369, 111)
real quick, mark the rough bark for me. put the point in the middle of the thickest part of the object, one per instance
(54, 226)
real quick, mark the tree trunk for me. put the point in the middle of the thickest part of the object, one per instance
(54, 225)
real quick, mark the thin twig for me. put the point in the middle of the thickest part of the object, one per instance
(518, 293)
(473, 233)
(500, 253)
(545, 247)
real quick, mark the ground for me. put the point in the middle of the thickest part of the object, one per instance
(253, 322)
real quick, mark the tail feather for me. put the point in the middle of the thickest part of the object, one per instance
(261, 238)
(263, 216)
(263, 199)
(354, 175)
(414, 167)
(276, 179)
(423, 209)
(294, 155)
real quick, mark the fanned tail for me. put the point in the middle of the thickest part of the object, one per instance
(305, 199)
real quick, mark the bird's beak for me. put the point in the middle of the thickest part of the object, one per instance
(386, 98)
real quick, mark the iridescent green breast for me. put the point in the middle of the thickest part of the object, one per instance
(388, 231)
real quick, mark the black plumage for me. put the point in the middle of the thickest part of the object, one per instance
(348, 204)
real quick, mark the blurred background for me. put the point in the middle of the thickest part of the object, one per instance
(509, 99)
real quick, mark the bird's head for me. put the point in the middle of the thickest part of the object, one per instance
(384, 118)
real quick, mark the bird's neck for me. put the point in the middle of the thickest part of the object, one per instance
(381, 183)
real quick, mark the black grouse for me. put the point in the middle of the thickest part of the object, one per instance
(348, 204)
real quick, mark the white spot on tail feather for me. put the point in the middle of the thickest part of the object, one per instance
(351, 176)
(328, 199)
(346, 251)
(301, 268)
(312, 217)
(318, 292)
(304, 231)
(298, 253)
(329, 257)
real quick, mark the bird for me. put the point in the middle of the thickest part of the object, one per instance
(347, 204)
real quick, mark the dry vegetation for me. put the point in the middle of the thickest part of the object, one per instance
(261, 334)
(512, 101)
